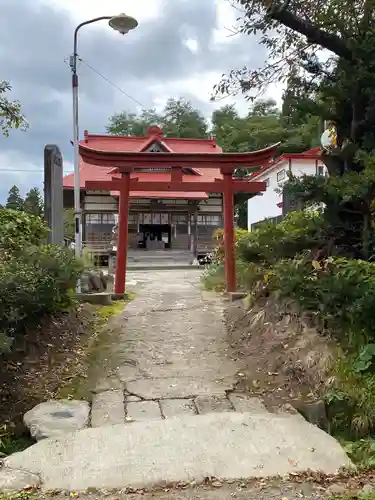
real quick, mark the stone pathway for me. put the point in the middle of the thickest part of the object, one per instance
(172, 358)
(168, 413)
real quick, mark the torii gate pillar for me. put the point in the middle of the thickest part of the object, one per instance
(229, 240)
(122, 235)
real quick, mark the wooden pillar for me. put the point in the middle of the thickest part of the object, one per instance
(123, 234)
(229, 241)
(196, 230)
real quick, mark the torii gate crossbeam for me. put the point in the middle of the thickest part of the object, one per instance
(124, 165)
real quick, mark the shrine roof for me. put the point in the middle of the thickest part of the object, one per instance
(150, 159)
(138, 144)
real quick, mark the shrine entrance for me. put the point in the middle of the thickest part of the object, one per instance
(155, 236)
(124, 180)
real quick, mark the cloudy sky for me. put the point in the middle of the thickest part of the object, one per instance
(180, 48)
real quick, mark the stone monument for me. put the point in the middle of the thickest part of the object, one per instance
(53, 194)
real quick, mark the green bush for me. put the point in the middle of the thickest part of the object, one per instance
(20, 230)
(37, 281)
(340, 292)
(214, 276)
(267, 244)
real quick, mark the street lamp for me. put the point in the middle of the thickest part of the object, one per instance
(123, 24)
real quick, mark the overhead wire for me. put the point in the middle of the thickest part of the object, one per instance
(111, 83)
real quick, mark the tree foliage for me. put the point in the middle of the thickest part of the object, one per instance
(178, 119)
(325, 52)
(10, 111)
(20, 230)
(33, 203)
(14, 200)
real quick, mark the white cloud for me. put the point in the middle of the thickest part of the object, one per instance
(82, 10)
(180, 49)
(192, 44)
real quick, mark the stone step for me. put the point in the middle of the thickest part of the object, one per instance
(228, 445)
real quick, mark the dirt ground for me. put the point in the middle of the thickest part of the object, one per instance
(347, 485)
(41, 363)
(285, 359)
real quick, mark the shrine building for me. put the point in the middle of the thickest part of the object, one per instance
(168, 193)
(157, 220)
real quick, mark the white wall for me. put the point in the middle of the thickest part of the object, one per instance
(264, 206)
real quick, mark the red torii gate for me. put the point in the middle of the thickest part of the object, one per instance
(124, 163)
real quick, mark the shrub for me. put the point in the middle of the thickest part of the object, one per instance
(350, 400)
(219, 239)
(340, 292)
(20, 230)
(214, 276)
(299, 231)
(37, 281)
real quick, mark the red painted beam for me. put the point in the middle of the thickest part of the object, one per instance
(126, 162)
(218, 186)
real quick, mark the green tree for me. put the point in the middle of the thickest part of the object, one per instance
(181, 119)
(340, 85)
(15, 200)
(10, 111)
(178, 119)
(326, 53)
(264, 125)
(33, 203)
(125, 123)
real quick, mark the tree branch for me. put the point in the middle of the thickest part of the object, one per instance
(314, 34)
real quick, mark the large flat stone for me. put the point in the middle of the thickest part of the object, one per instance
(228, 445)
(56, 417)
(16, 480)
(108, 408)
(164, 388)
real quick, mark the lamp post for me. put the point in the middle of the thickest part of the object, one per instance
(123, 24)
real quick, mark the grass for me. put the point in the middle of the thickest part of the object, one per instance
(351, 400)
(22, 495)
(92, 354)
(95, 352)
(10, 443)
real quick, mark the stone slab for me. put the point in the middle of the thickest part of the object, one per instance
(244, 403)
(228, 445)
(143, 410)
(56, 417)
(108, 408)
(16, 480)
(177, 407)
(164, 388)
(210, 404)
(234, 296)
(100, 298)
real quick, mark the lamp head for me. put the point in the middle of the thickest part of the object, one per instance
(123, 23)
